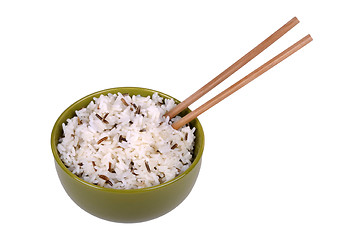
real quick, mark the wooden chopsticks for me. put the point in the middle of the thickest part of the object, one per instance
(233, 68)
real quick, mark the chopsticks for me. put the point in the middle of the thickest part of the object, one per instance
(244, 81)
(233, 68)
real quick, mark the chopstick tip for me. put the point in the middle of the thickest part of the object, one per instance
(308, 38)
(295, 19)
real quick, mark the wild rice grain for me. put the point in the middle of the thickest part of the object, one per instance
(183, 162)
(132, 171)
(121, 138)
(98, 116)
(147, 166)
(110, 169)
(124, 102)
(106, 115)
(105, 121)
(160, 177)
(94, 165)
(137, 110)
(102, 140)
(104, 177)
(109, 182)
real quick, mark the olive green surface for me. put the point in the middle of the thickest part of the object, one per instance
(133, 205)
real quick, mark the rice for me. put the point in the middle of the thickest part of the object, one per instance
(124, 142)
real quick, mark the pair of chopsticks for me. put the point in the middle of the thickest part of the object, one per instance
(232, 69)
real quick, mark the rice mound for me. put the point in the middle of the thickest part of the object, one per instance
(124, 142)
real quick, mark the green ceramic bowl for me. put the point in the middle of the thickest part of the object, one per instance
(134, 205)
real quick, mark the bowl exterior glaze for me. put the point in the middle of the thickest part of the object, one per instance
(134, 205)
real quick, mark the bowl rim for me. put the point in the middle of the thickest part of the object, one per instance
(58, 123)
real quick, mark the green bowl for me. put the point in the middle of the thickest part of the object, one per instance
(133, 205)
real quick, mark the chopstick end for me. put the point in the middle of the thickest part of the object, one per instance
(295, 19)
(309, 36)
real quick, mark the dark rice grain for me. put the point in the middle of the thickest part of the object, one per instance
(109, 182)
(102, 140)
(98, 116)
(121, 138)
(124, 102)
(147, 166)
(104, 177)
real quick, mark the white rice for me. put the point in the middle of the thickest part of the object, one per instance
(124, 142)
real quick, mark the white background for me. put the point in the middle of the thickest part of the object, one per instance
(282, 157)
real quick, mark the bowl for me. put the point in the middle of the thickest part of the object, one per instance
(129, 205)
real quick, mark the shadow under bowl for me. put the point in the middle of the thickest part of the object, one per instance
(130, 205)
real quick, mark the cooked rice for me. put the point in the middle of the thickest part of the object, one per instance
(124, 142)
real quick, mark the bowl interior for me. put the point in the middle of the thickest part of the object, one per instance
(83, 102)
